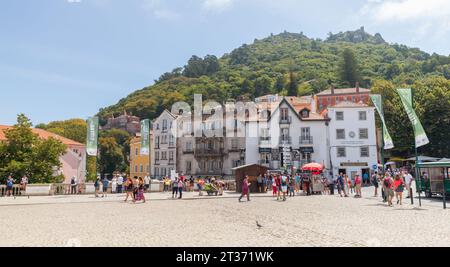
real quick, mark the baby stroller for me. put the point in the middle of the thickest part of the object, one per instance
(211, 189)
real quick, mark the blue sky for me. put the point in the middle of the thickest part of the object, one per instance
(62, 59)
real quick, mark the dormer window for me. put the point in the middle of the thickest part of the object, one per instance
(304, 113)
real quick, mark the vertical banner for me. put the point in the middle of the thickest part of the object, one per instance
(377, 101)
(145, 137)
(92, 136)
(419, 133)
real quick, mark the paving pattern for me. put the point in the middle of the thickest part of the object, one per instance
(202, 221)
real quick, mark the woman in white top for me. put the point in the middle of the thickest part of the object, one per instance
(114, 185)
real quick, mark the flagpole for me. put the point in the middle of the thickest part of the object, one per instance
(382, 139)
(417, 159)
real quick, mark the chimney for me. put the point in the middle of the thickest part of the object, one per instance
(357, 87)
(332, 89)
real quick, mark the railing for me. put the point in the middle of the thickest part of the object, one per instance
(188, 151)
(15, 190)
(171, 162)
(209, 152)
(285, 140)
(234, 149)
(306, 140)
(264, 140)
(286, 120)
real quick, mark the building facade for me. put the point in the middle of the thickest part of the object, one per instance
(73, 162)
(164, 145)
(287, 133)
(140, 165)
(333, 96)
(125, 122)
(353, 141)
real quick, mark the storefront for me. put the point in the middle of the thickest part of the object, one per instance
(354, 168)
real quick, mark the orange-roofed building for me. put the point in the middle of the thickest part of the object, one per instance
(73, 162)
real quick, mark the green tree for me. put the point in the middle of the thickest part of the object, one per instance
(292, 88)
(111, 156)
(349, 69)
(24, 153)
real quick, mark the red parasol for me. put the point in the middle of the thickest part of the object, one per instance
(313, 167)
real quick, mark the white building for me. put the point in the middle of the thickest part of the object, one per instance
(353, 143)
(165, 145)
(287, 132)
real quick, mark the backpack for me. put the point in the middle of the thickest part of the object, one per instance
(387, 183)
(9, 183)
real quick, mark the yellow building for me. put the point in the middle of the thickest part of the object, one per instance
(139, 164)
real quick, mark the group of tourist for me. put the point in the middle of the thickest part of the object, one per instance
(10, 181)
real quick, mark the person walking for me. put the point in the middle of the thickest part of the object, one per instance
(175, 188)
(278, 183)
(331, 183)
(389, 192)
(105, 184)
(291, 187)
(140, 195)
(245, 189)
(399, 186)
(274, 188)
(265, 181)
(120, 184)
(129, 189)
(306, 184)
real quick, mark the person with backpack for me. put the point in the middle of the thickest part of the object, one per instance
(389, 192)
(97, 186)
(9, 186)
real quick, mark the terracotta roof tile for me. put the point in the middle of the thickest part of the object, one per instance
(42, 134)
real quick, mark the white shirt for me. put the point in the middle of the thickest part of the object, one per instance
(408, 178)
(147, 180)
(120, 180)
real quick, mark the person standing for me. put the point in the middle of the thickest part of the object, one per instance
(358, 185)
(180, 188)
(265, 181)
(259, 181)
(331, 184)
(147, 183)
(375, 183)
(408, 183)
(97, 186)
(175, 188)
(341, 185)
(284, 186)
(140, 196)
(297, 183)
(245, 189)
(114, 185)
(366, 178)
(292, 187)
(120, 184)
(278, 183)
(23, 183)
(307, 184)
(73, 185)
(200, 184)
(9, 186)
(105, 184)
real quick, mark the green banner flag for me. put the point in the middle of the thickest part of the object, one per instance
(92, 136)
(377, 101)
(145, 137)
(419, 132)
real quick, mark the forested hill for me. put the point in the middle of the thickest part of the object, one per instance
(286, 63)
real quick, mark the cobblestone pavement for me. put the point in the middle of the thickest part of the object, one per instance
(221, 221)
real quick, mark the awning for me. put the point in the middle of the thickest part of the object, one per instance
(306, 150)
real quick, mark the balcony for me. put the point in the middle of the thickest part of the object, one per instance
(285, 140)
(306, 140)
(234, 149)
(286, 120)
(188, 151)
(264, 140)
(171, 162)
(209, 152)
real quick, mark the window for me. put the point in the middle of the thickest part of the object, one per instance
(341, 152)
(171, 140)
(363, 133)
(339, 116)
(304, 113)
(142, 168)
(164, 126)
(157, 171)
(236, 163)
(362, 115)
(164, 155)
(234, 144)
(137, 151)
(170, 155)
(284, 114)
(306, 133)
(156, 155)
(188, 146)
(135, 168)
(188, 166)
(364, 152)
(340, 133)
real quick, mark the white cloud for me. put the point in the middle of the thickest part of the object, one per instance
(405, 10)
(157, 8)
(217, 5)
